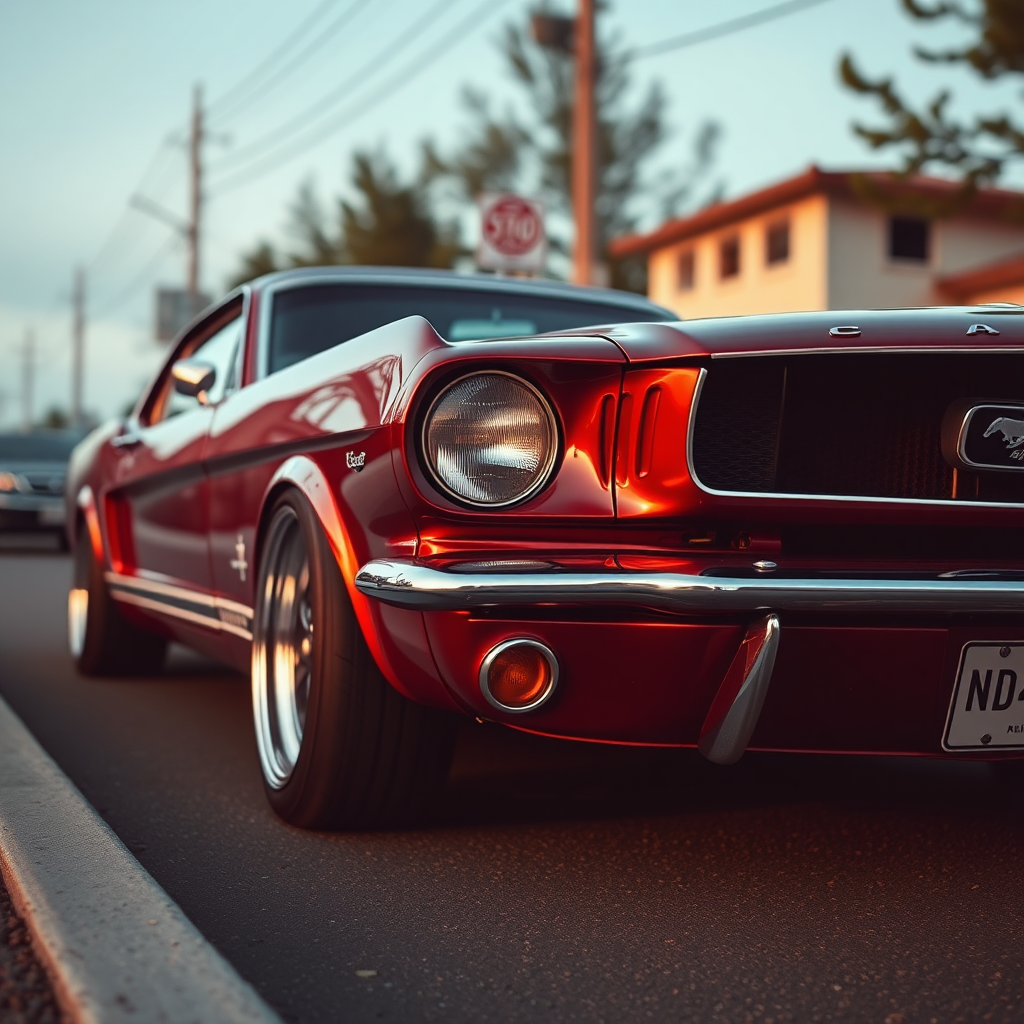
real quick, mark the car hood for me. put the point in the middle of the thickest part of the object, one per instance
(944, 327)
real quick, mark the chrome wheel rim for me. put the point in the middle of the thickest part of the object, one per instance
(282, 649)
(78, 598)
(78, 613)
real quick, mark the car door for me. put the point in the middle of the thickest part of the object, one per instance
(160, 502)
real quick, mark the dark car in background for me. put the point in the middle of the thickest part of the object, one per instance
(32, 471)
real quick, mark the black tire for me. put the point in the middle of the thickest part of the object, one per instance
(349, 751)
(101, 641)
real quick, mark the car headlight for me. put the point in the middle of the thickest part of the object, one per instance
(490, 439)
(9, 482)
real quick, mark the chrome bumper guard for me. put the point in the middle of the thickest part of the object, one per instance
(409, 584)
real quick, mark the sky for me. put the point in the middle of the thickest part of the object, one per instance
(95, 98)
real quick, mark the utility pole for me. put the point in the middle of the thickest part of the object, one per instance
(576, 36)
(195, 195)
(77, 348)
(584, 146)
(28, 359)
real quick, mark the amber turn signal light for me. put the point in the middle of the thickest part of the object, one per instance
(518, 675)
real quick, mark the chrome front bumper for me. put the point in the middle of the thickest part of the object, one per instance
(410, 584)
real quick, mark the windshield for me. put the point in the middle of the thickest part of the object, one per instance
(309, 320)
(36, 447)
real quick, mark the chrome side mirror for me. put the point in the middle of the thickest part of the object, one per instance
(194, 378)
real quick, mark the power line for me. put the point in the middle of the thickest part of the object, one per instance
(151, 167)
(724, 28)
(268, 62)
(232, 96)
(329, 100)
(296, 62)
(407, 73)
(141, 278)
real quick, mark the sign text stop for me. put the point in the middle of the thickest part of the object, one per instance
(511, 233)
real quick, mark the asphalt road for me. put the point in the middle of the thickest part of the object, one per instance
(563, 881)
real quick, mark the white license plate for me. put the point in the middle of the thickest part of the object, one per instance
(52, 516)
(987, 710)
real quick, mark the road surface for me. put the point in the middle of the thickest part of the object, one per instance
(562, 882)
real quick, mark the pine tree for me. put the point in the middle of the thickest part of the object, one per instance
(532, 151)
(390, 224)
(978, 151)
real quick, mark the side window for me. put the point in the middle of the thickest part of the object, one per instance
(220, 349)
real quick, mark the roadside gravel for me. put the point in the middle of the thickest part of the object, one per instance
(26, 995)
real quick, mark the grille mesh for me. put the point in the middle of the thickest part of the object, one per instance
(847, 424)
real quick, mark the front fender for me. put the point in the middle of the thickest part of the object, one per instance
(398, 642)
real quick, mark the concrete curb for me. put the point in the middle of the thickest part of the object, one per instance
(118, 948)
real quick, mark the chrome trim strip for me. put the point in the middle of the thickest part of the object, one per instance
(128, 597)
(724, 739)
(224, 605)
(784, 496)
(152, 583)
(215, 613)
(413, 585)
(884, 349)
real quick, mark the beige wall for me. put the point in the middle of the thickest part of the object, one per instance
(799, 283)
(838, 260)
(861, 274)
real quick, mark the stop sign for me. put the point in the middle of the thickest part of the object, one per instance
(511, 233)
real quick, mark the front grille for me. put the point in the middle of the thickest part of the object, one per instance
(847, 424)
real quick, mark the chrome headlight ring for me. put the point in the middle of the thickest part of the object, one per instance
(509, 442)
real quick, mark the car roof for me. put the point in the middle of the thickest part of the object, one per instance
(423, 276)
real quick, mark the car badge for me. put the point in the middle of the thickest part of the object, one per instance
(981, 329)
(984, 435)
(238, 563)
(354, 461)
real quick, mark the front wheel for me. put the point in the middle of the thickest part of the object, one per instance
(338, 746)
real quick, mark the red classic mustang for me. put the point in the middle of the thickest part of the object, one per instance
(793, 532)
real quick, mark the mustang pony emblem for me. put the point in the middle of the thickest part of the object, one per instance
(238, 563)
(1012, 430)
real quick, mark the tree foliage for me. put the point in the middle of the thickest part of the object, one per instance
(978, 150)
(532, 151)
(525, 147)
(390, 224)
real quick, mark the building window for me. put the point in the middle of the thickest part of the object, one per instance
(729, 257)
(685, 271)
(777, 242)
(909, 239)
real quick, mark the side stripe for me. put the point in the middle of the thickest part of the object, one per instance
(215, 613)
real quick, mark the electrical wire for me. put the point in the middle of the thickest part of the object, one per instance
(323, 106)
(125, 216)
(231, 96)
(724, 28)
(236, 96)
(138, 281)
(403, 77)
(215, 111)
